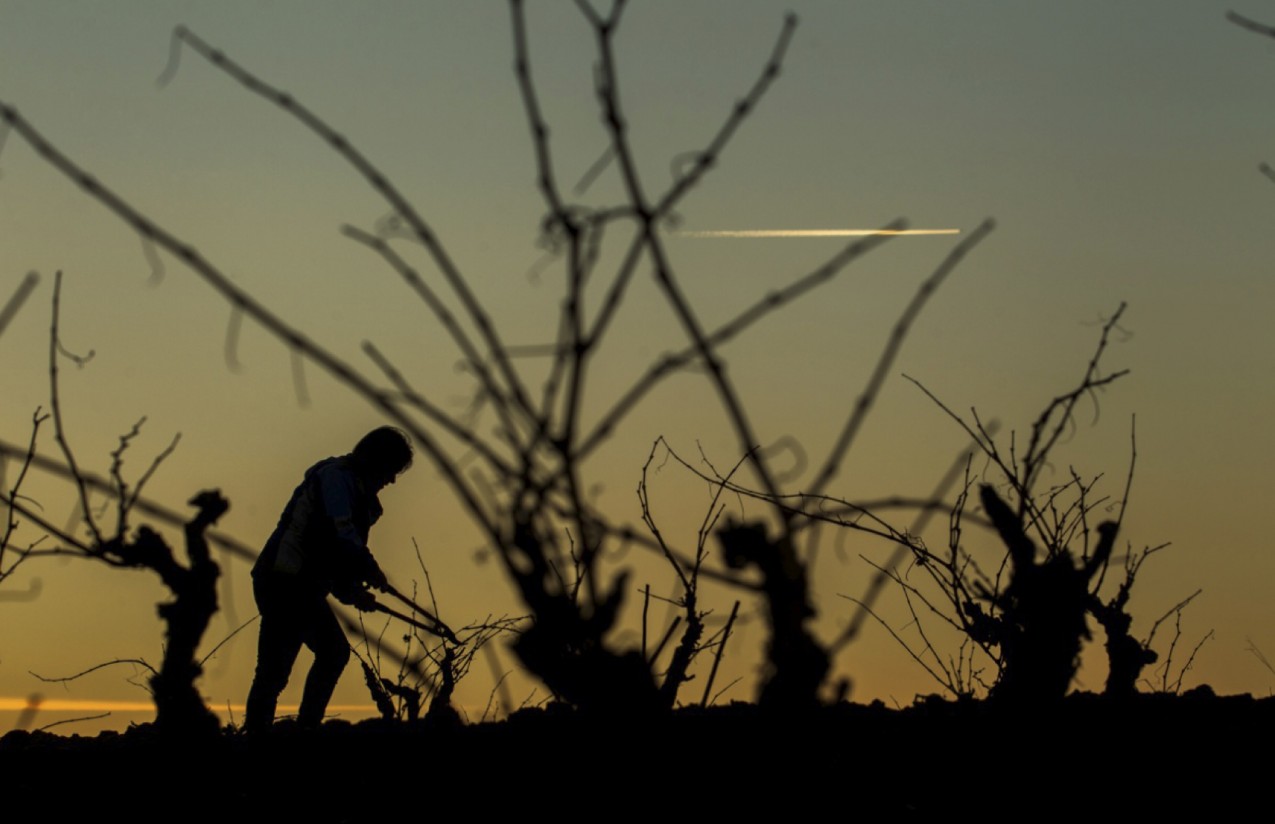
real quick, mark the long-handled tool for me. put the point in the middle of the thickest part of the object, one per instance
(438, 627)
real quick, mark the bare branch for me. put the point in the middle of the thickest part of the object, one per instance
(19, 297)
(1257, 653)
(150, 470)
(59, 432)
(1174, 610)
(649, 520)
(724, 333)
(208, 656)
(233, 326)
(139, 662)
(1043, 438)
(717, 658)
(473, 360)
(10, 522)
(1250, 24)
(380, 183)
(891, 351)
(144, 505)
(609, 99)
(901, 552)
(942, 680)
(48, 727)
(241, 300)
(454, 428)
(707, 159)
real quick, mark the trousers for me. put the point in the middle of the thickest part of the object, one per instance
(293, 613)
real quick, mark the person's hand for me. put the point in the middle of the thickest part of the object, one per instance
(364, 601)
(356, 596)
(375, 577)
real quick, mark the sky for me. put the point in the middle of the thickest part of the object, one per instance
(1116, 145)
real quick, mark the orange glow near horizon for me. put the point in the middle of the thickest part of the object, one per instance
(73, 705)
(98, 705)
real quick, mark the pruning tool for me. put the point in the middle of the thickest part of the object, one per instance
(436, 625)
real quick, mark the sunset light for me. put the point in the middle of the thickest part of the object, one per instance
(361, 382)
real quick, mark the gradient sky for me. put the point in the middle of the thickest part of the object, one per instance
(1116, 144)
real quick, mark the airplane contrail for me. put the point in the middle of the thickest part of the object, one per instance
(816, 232)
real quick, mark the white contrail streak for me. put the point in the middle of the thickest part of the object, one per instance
(816, 232)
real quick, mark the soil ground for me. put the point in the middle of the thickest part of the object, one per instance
(1085, 758)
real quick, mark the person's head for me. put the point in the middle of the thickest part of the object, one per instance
(382, 454)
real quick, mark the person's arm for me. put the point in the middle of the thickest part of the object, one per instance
(337, 487)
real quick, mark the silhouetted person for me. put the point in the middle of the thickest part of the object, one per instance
(319, 547)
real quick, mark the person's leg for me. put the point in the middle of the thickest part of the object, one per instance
(278, 643)
(325, 638)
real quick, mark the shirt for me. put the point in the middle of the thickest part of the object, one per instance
(322, 534)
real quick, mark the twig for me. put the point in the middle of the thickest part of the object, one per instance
(732, 328)
(1190, 661)
(150, 470)
(780, 502)
(148, 507)
(225, 640)
(943, 682)
(48, 727)
(1257, 653)
(723, 690)
(659, 648)
(135, 661)
(241, 300)
(646, 607)
(379, 182)
(117, 463)
(233, 326)
(491, 696)
(59, 432)
(609, 99)
(717, 657)
(76, 545)
(19, 297)
(743, 107)
(473, 360)
(1181, 605)
(891, 351)
(1250, 24)
(1042, 444)
(883, 574)
(644, 502)
(10, 522)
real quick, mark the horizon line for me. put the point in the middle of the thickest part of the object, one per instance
(12, 704)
